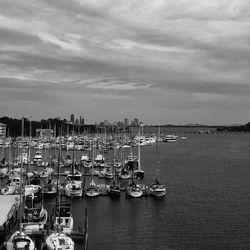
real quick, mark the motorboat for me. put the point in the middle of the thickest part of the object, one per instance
(64, 218)
(38, 158)
(170, 138)
(35, 216)
(8, 189)
(50, 189)
(20, 241)
(74, 184)
(114, 190)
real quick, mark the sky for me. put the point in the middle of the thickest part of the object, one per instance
(162, 61)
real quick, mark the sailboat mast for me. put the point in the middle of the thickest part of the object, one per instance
(21, 178)
(29, 159)
(139, 150)
(157, 155)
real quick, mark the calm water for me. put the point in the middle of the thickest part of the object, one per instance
(207, 204)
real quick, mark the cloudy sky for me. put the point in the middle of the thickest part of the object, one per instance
(163, 61)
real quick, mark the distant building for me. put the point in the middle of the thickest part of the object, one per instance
(81, 120)
(126, 122)
(136, 122)
(44, 132)
(2, 130)
(72, 118)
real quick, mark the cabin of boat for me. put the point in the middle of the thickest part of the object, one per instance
(37, 160)
(64, 217)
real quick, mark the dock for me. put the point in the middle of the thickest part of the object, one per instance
(9, 216)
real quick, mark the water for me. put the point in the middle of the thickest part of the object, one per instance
(206, 207)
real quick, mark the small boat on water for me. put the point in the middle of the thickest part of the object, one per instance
(50, 189)
(8, 190)
(92, 190)
(74, 187)
(157, 189)
(20, 241)
(134, 190)
(114, 190)
(59, 241)
(170, 138)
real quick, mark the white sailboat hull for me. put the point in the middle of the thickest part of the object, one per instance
(59, 241)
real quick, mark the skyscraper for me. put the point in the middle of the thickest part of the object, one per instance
(72, 118)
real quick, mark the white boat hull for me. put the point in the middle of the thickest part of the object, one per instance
(59, 241)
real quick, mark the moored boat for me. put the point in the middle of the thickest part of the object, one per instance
(134, 190)
(20, 241)
(59, 241)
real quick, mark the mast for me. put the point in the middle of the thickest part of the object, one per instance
(139, 151)
(73, 162)
(21, 178)
(93, 160)
(29, 157)
(157, 156)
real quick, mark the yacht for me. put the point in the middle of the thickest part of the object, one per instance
(35, 215)
(74, 185)
(170, 138)
(38, 158)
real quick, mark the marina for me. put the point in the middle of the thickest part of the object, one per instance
(124, 125)
(181, 162)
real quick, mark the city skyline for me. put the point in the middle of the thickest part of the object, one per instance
(165, 62)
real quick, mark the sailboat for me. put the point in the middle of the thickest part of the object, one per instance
(134, 190)
(73, 187)
(92, 190)
(139, 173)
(157, 189)
(59, 239)
(114, 189)
(19, 239)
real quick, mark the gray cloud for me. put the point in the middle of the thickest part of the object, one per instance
(151, 53)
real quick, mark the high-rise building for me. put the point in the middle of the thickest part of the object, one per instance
(72, 118)
(82, 121)
(2, 130)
